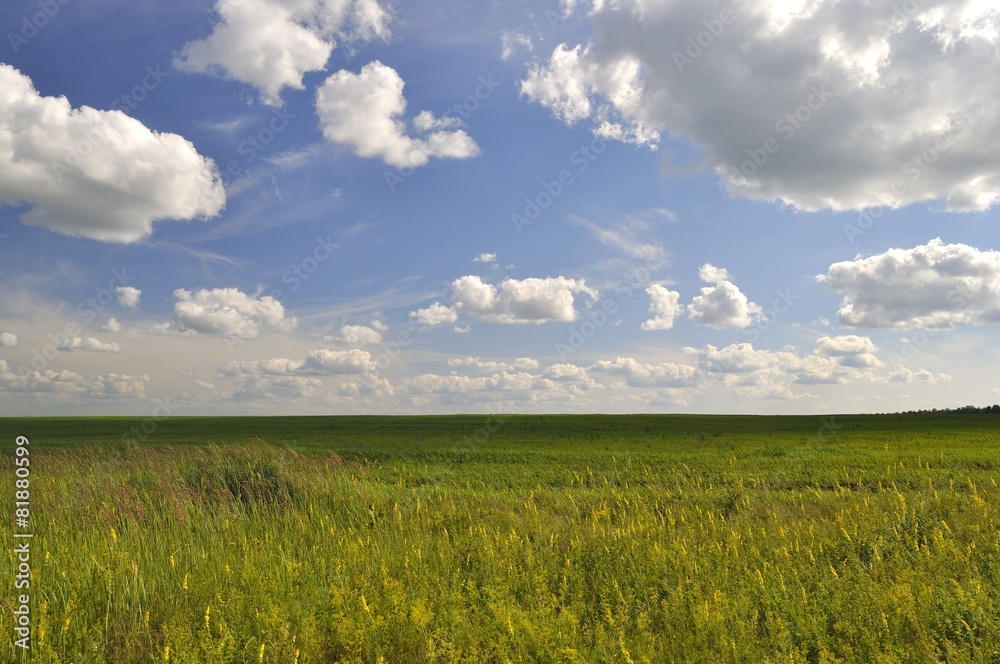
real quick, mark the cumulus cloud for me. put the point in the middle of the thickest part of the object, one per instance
(665, 307)
(112, 325)
(722, 305)
(638, 374)
(227, 312)
(363, 111)
(468, 385)
(826, 105)
(8, 340)
(69, 383)
(492, 366)
(514, 301)
(96, 174)
(436, 314)
(935, 285)
(272, 44)
(322, 362)
(356, 335)
(129, 296)
(485, 258)
(849, 350)
(88, 344)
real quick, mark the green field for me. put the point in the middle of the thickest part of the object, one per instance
(509, 539)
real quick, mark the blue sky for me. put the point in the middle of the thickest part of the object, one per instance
(352, 206)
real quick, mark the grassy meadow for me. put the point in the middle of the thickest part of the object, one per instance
(509, 539)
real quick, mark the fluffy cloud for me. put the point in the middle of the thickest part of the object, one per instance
(272, 44)
(356, 335)
(8, 340)
(363, 111)
(569, 373)
(849, 350)
(515, 301)
(484, 258)
(492, 366)
(317, 363)
(665, 306)
(823, 105)
(96, 174)
(227, 312)
(89, 344)
(637, 374)
(468, 385)
(68, 383)
(129, 296)
(436, 314)
(722, 305)
(933, 285)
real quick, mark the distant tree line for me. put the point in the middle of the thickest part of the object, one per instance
(994, 409)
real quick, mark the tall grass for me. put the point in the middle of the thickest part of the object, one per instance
(787, 550)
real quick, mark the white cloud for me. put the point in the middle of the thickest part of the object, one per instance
(933, 285)
(96, 174)
(484, 258)
(436, 314)
(905, 375)
(8, 340)
(713, 275)
(849, 350)
(468, 385)
(638, 374)
(129, 296)
(68, 383)
(665, 306)
(626, 237)
(88, 344)
(272, 44)
(228, 312)
(512, 42)
(112, 325)
(321, 362)
(570, 373)
(516, 301)
(492, 366)
(117, 385)
(363, 111)
(722, 305)
(821, 105)
(575, 85)
(357, 335)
